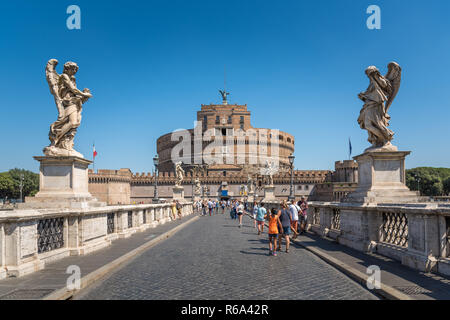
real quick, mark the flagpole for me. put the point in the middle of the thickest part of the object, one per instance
(93, 157)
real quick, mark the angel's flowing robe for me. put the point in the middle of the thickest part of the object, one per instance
(72, 104)
(373, 117)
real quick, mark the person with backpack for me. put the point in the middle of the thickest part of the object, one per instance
(285, 219)
(233, 210)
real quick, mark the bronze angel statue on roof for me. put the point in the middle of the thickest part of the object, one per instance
(377, 99)
(224, 95)
(69, 102)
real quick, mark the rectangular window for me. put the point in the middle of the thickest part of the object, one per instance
(242, 119)
(217, 120)
(229, 120)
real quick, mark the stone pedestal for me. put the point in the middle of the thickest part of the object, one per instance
(381, 178)
(269, 193)
(178, 193)
(251, 197)
(63, 182)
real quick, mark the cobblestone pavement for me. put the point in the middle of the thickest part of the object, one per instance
(215, 259)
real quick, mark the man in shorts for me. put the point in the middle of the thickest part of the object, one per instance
(260, 218)
(293, 211)
(285, 219)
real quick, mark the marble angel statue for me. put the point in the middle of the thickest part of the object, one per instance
(377, 100)
(179, 174)
(269, 170)
(69, 103)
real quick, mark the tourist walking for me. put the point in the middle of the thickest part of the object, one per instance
(179, 207)
(274, 226)
(204, 206)
(260, 216)
(222, 204)
(303, 205)
(255, 212)
(240, 212)
(293, 211)
(233, 210)
(210, 207)
(174, 210)
(285, 219)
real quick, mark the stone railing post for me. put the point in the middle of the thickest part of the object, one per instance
(443, 246)
(325, 220)
(73, 241)
(2, 252)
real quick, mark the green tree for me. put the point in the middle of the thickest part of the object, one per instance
(10, 183)
(446, 185)
(429, 180)
(6, 185)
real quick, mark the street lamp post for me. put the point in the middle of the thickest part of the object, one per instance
(156, 163)
(22, 178)
(418, 185)
(291, 191)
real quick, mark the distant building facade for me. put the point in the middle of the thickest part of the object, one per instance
(248, 148)
(111, 186)
(339, 183)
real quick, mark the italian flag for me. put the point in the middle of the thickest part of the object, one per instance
(94, 152)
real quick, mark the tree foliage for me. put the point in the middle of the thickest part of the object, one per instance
(430, 181)
(10, 183)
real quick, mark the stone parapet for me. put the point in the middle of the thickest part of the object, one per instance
(416, 234)
(31, 238)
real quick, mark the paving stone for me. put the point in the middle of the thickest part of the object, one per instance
(214, 259)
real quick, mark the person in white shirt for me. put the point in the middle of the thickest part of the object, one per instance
(255, 212)
(293, 212)
(210, 207)
(240, 212)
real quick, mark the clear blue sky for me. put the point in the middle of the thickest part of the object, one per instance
(299, 66)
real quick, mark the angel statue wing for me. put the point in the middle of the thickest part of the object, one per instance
(224, 94)
(52, 80)
(394, 76)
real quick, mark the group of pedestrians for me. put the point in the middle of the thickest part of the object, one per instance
(210, 207)
(282, 222)
(176, 210)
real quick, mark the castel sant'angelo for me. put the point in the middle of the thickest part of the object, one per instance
(244, 153)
